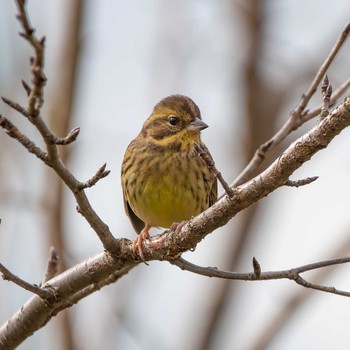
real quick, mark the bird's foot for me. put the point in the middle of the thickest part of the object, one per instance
(138, 242)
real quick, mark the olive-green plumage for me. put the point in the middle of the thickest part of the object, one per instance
(164, 179)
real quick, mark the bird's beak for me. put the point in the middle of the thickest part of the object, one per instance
(197, 125)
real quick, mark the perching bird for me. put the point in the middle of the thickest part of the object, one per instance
(164, 179)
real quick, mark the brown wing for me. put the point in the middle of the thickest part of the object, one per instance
(136, 222)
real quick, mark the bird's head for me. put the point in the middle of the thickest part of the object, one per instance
(175, 121)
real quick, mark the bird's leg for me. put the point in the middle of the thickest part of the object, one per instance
(137, 244)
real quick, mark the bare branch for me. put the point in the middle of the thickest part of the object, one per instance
(294, 302)
(326, 90)
(257, 275)
(100, 174)
(322, 71)
(26, 87)
(71, 137)
(301, 182)
(9, 276)
(35, 98)
(297, 117)
(67, 287)
(13, 132)
(16, 106)
(211, 165)
(53, 159)
(256, 267)
(52, 266)
(339, 92)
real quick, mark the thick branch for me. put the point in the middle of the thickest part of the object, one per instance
(36, 312)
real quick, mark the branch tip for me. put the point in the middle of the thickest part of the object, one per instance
(71, 137)
(52, 265)
(53, 253)
(26, 87)
(302, 182)
(33, 288)
(256, 267)
(100, 174)
(17, 107)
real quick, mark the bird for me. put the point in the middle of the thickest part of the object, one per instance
(164, 179)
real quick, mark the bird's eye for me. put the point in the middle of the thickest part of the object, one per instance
(173, 120)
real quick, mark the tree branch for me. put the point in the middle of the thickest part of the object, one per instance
(9, 276)
(298, 116)
(13, 132)
(52, 266)
(301, 182)
(211, 165)
(35, 100)
(257, 275)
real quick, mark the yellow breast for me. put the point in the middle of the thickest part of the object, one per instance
(173, 191)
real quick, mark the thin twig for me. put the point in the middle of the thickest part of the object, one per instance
(27, 88)
(257, 275)
(211, 165)
(302, 282)
(52, 266)
(13, 132)
(322, 71)
(35, 98)
(326, 90)
(16, 106)
(100, 174)
(302, 182)
(9, 276)
(71, 137)
(295, 301)
(256, 267)
(339, 92)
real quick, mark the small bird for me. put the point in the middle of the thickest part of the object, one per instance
(164, 179)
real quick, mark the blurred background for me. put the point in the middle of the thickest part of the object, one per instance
(246, 64)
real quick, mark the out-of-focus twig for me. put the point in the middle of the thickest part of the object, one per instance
(9, 276)
(296, 118)
(52, 266)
